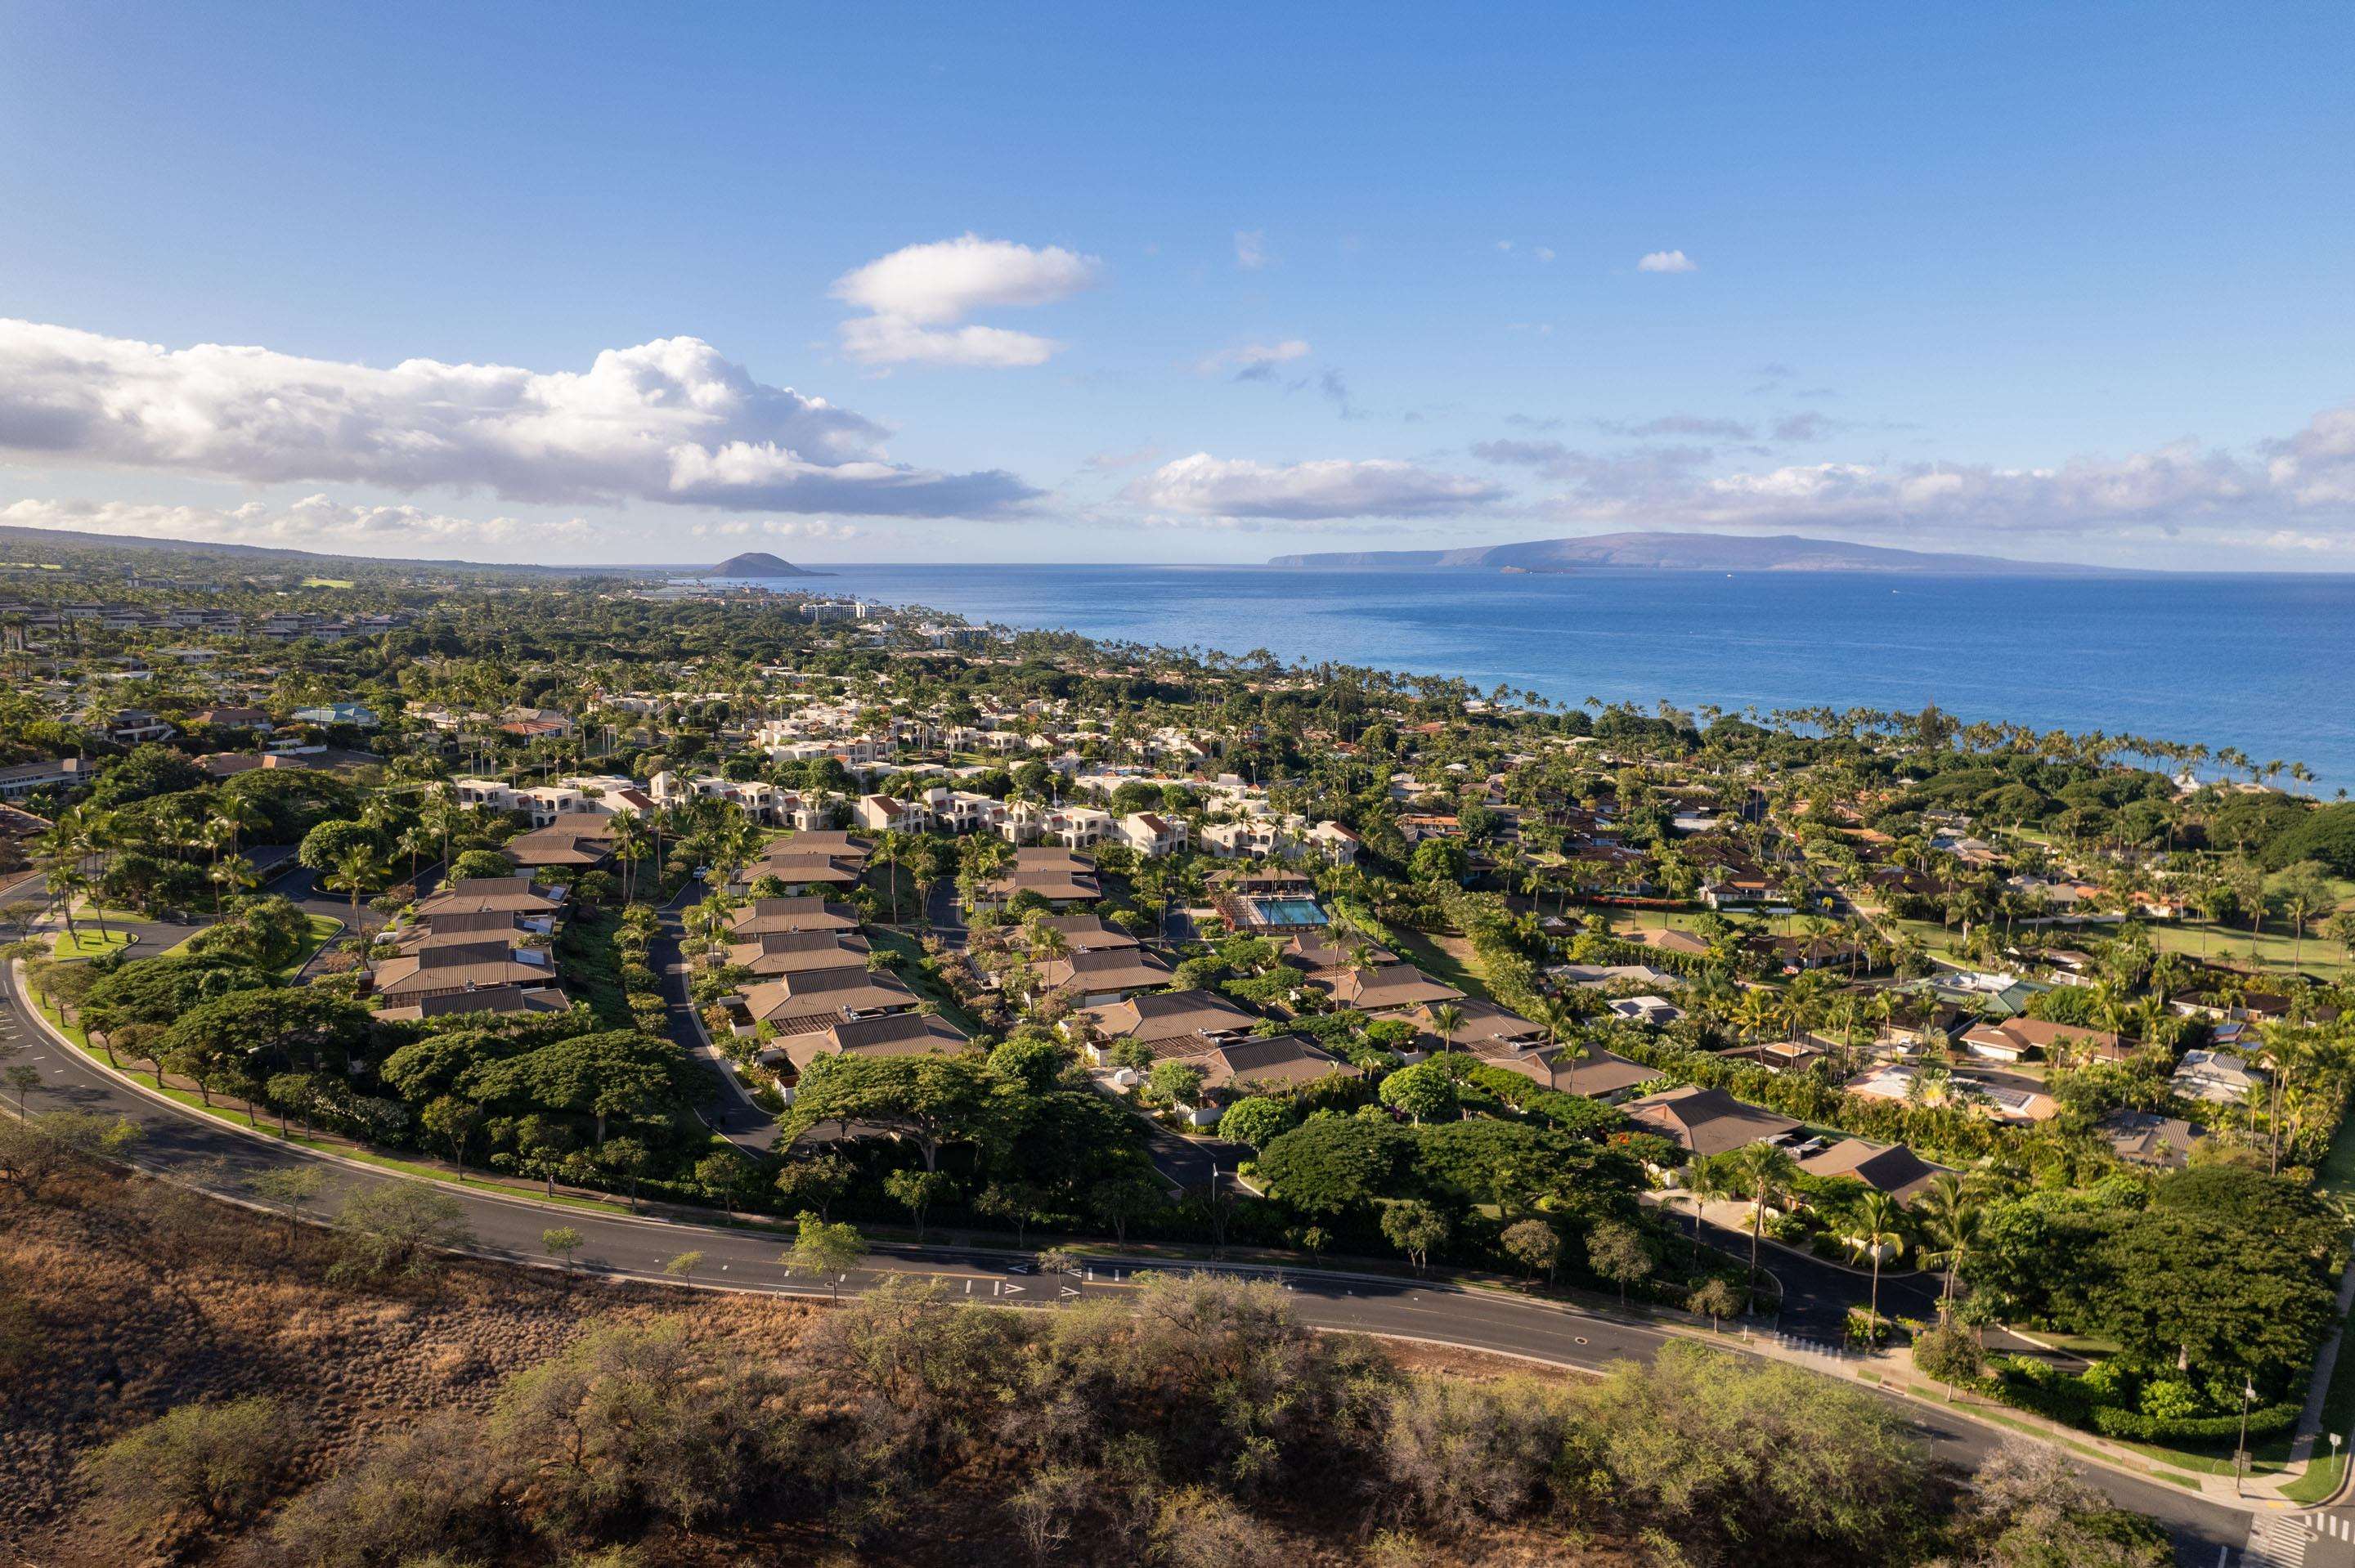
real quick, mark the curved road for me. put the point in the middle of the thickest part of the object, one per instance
(224, 1159)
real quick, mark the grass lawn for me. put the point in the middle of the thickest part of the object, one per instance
(2274, 948)
(326, 583)
(88, 942)
(1448, 959)
(323, 930)
(911, 955)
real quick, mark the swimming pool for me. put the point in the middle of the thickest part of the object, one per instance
(1285, 911)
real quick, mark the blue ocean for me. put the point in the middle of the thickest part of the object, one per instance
(2261, 662)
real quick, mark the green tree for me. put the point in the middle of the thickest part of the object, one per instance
(1617, 1251)
(396, 1230)
(918, 1190)
(813, 1181)
(1256, 1119)
(1716, 1301)
(455, 1123)
(1424, 1092)
(211, 1463)
(1414, 1227)
(293, 1188)
(827, 1252)
(1760, 1173)
(561, 1240)
(1331, 1164)
(1534, 1245)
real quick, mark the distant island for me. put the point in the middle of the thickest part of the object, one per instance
(1691, 553)
(757, 563)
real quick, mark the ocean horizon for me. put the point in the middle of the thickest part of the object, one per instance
(2252, 661)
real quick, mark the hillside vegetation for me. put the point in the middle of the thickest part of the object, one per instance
(189, 1382)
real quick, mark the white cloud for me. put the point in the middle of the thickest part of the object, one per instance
(312, 522)
(670, 421)
(891, 340)
(1668, 261)
(1251, 248)
(1205, 486)
(1543, 253)
(949, 280)
(1254, 356)
(917, 291)
(2287, 493)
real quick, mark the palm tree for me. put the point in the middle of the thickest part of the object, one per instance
(234, 874)
(1951, 1216)
(1760, 1172)
(1878, 1214)
(357, 869)
(631, 843)
(1446, 1020)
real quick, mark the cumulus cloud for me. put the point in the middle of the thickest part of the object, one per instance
(671, 421)
(1668, 261)
(1253, 361)
(1251, 248)
(916, 295)
(1205, 486)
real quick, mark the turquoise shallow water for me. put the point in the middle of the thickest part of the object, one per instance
(2259, 663)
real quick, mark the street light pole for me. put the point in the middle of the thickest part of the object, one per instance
(2241, 1452)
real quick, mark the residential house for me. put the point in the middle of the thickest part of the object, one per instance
(1171, 1023)
(1097, 977)
(778, 916)
(1706, 1122)
(496, 999)
(890, 1034)
(1890, 1168)
(774, 953)
(511, 895)
(2012, 1039)
(1270, 1061)
(2219, 1077)
(1384, 989)
(26, 777)
(2147, 1137)
(812, 998)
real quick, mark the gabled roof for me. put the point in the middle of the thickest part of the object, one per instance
(789, 952)
(807, 913)
(1086, 933)
(1273, 1059)
(1181, 1017)
(1890, 1168)
(1104, 968)
(1709, 1121)
(1386, 986)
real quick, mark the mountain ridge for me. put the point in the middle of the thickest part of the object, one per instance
(1665, 551)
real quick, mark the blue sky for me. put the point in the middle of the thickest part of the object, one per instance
(2066, 282)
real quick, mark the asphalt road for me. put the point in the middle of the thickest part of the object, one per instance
(224, 1160)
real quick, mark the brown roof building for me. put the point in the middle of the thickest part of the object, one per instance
(1174, 1023)
(1709, 1121)
(1890, 1168)
(792, 952)
(797, 1003)
(767, 916)
(1386, 988)
(1272, 1061)
(515, 895)
(896, 1034)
